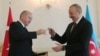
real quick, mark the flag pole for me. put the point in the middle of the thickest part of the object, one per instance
(9, 2)
(86, 2)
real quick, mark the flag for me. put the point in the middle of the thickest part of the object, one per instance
(93, 46)
(6, 39)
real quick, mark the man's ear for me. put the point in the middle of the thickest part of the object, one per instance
(22, 16)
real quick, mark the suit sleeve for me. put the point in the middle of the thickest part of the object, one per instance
(20, 34)
(62, 39)
(84, 38)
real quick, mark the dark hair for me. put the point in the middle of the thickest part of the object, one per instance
(78, 7)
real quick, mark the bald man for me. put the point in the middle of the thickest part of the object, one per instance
(77, 34)
(20, 38)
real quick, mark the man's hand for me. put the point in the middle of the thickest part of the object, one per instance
(41, 31)
(51, 32)
(58, 48)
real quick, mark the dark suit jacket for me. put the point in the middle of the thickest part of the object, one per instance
(20, 40)
(77, 40)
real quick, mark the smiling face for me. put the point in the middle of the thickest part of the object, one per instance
(26, 17)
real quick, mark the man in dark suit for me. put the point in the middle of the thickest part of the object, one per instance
(77, 35)
(20, 38)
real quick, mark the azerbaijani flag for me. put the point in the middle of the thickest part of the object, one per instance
(93, 46)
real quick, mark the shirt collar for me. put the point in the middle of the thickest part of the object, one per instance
(79, 19)
(21, 23)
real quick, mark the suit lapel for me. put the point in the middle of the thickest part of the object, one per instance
(78, 25)
(23, 29)
(20, 26)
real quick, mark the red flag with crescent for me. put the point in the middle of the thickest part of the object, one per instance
(6, 39)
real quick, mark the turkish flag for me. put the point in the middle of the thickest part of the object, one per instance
(6, 39)
(6, 44)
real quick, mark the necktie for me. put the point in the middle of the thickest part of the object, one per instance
(25, 28)
(30, 40)
(73, 26)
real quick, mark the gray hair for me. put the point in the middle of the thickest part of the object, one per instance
(24, 12)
